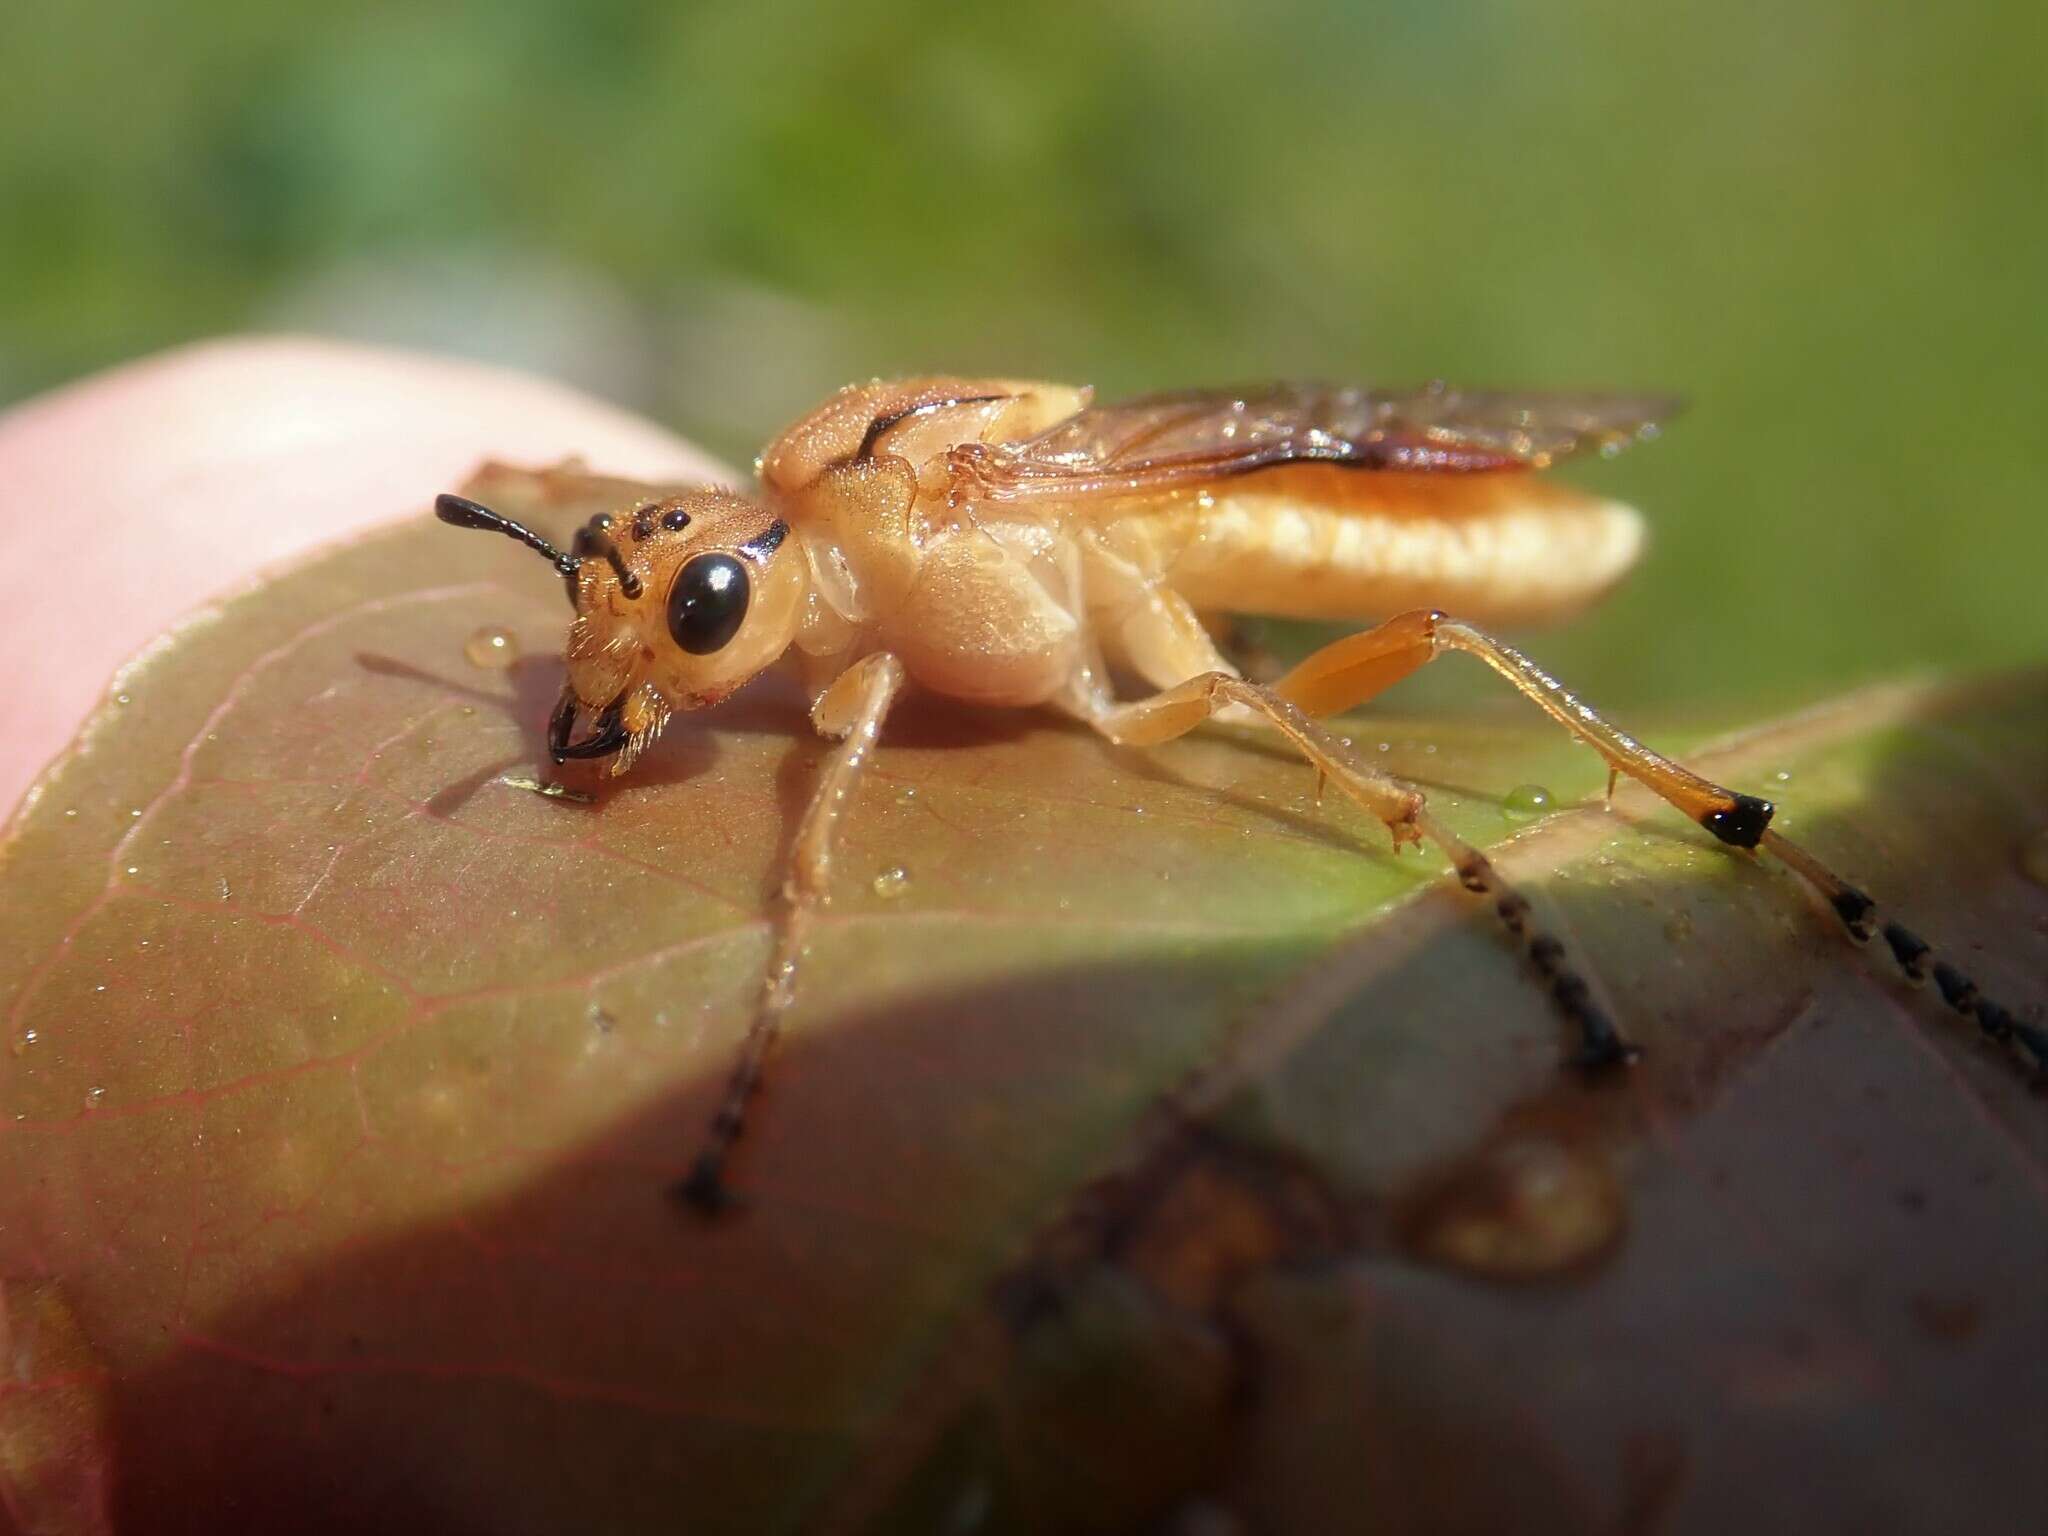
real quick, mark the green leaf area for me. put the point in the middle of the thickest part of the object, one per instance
(1149, 1146)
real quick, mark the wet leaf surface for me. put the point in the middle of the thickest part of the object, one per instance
(1148, 1144)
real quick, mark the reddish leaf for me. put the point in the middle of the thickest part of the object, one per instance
(347, 1077)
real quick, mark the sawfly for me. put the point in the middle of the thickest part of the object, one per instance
(1013, 544)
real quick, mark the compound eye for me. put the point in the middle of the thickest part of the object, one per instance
(707, 603)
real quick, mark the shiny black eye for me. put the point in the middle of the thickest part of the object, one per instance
(707, 603)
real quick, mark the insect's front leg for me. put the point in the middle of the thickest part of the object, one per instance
(851, 711)
(1178, 710)
(1351, 670)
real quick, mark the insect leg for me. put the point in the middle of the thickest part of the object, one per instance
(851, 711)
(1915, 956)
(1178, 710)
(1353, 669)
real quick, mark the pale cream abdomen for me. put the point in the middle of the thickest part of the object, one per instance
(1322, 543)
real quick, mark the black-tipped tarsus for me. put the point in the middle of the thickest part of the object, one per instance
(1957, 990)
(704, 1189)
(1909, 949)
(1601, 1046)
(1741, 823)
(1858, 914)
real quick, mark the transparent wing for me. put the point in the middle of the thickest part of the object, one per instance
(1157, 441)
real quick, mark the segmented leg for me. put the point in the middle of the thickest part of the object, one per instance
(1915, 956)
(1351, 670)
(851, 710)
(1180, 709)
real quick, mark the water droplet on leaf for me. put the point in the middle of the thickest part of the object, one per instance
(1525, 802)
(891, 882)
(491, 647)
(1523, 1208)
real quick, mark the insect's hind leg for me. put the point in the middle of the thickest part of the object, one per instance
(1915, 956)
(1178, 710)
(1351, 670)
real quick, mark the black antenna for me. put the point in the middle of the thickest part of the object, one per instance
(593, 535)
(464, 513)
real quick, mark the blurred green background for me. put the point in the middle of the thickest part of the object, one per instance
(1822, 222)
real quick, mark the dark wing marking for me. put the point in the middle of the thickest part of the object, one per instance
(1136, 447)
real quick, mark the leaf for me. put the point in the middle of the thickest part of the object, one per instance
(1157, 1143)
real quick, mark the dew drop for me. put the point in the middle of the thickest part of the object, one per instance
(906, 795)
(122, 698)
(1525, 802)
(2034, 857)
(134, 869)
(71, 815)
(93, 1096)
(1783, 776)
(891, 882)
(492, 648)
(1521, 1209)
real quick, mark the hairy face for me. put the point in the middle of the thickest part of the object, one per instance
(692, 596)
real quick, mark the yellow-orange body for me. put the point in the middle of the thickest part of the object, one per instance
(892, 547)
(1010, 544)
